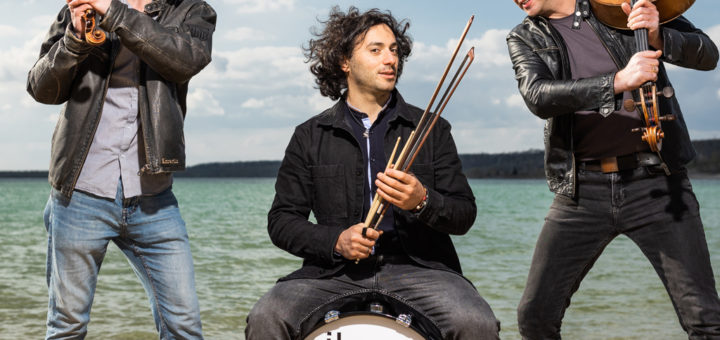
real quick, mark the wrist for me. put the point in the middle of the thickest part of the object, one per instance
(423, 203)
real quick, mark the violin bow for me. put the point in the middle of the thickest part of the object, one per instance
(427, 121)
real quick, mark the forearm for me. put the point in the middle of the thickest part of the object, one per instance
(687, 46)
(450, 205)
(300, 237)
(50, 79)
(176, 53)
(546, 95)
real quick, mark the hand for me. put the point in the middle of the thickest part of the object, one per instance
(401, 189)
(76, 15)
(100, 6)
(353, 246)
(642, 67)
(645, 15)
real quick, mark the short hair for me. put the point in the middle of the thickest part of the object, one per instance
(337, 40)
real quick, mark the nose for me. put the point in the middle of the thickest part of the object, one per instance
(389, 57)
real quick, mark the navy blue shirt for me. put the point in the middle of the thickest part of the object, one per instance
(371, 139)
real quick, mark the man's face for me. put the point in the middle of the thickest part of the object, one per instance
(372, 69)
(545, 8)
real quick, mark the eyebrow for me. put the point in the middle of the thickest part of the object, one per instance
(378, 43)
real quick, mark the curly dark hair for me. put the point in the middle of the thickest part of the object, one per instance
(337, 40)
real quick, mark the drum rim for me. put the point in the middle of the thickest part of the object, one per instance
(384, 316)
(429, 329)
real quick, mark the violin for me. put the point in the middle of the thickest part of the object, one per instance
(610, 13)
(92, 36)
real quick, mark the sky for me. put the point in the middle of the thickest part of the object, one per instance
(245, 104)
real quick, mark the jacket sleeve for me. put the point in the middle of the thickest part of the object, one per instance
(547, 96)
(288, 223)
(176, 53)
(49, 80)
(687, 46)
(451, 205)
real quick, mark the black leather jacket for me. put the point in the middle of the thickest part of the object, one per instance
(173, 47)
(540, 61)
(323, 172)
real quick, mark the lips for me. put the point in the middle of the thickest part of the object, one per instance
(387, 74)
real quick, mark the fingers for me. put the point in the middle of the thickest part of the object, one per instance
(399, 188)
(352, 244)
(101, 6)
(643, 67)
(643, 15)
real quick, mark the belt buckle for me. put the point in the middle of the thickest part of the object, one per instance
(609, 164)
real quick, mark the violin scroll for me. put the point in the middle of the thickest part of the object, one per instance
(92, 36)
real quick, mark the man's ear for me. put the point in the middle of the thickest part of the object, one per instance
(345, 65)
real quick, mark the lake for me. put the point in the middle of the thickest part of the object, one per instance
(235, 262)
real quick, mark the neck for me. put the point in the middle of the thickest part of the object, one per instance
(368, 103)
(561, 9)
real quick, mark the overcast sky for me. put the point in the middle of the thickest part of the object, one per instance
(245, 104)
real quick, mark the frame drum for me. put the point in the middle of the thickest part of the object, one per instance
(368, 315)
(363, 326)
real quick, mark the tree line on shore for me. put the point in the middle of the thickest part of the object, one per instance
(525, 164)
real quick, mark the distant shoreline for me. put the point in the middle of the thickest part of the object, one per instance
(513, 165)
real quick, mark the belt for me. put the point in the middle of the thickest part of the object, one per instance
(620, 163)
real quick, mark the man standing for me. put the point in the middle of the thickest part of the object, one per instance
(117, 141)
(334, 164)
(579, 74)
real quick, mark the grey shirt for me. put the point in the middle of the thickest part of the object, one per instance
(594, 135)
(115, 150)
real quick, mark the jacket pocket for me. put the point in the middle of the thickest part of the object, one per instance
(328, 191)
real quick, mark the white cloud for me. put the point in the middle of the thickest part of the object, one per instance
(718, 94)
(266, 67)
(714, 34)
(490, 48)
(253, 103)
(515, 101)
(9, 31)
(247, 34)
(201, 102)
(228, 145)
(260, 6)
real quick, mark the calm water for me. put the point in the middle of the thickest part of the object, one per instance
(235, 262)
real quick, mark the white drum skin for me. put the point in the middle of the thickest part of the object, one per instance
(364, 327)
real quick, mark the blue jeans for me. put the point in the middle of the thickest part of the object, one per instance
(151, 233)
(659, 213)
(445, 298)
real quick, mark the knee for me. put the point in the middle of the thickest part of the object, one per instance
(267, 321)
(475, 324)
(535, 323)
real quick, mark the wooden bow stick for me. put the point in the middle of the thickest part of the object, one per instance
(427, 121)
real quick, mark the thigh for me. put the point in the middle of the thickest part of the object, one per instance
(674, 242)
(79, 230)
(446, 298)
(157, 246)
(574, 235)
(281, 311)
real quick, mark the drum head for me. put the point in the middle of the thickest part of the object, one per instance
(350, 318)
(363, 327)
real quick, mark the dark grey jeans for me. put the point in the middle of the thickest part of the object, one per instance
(659, 213)
(445, 298)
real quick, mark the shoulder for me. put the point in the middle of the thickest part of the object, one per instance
(532, 31)
(191, 6)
